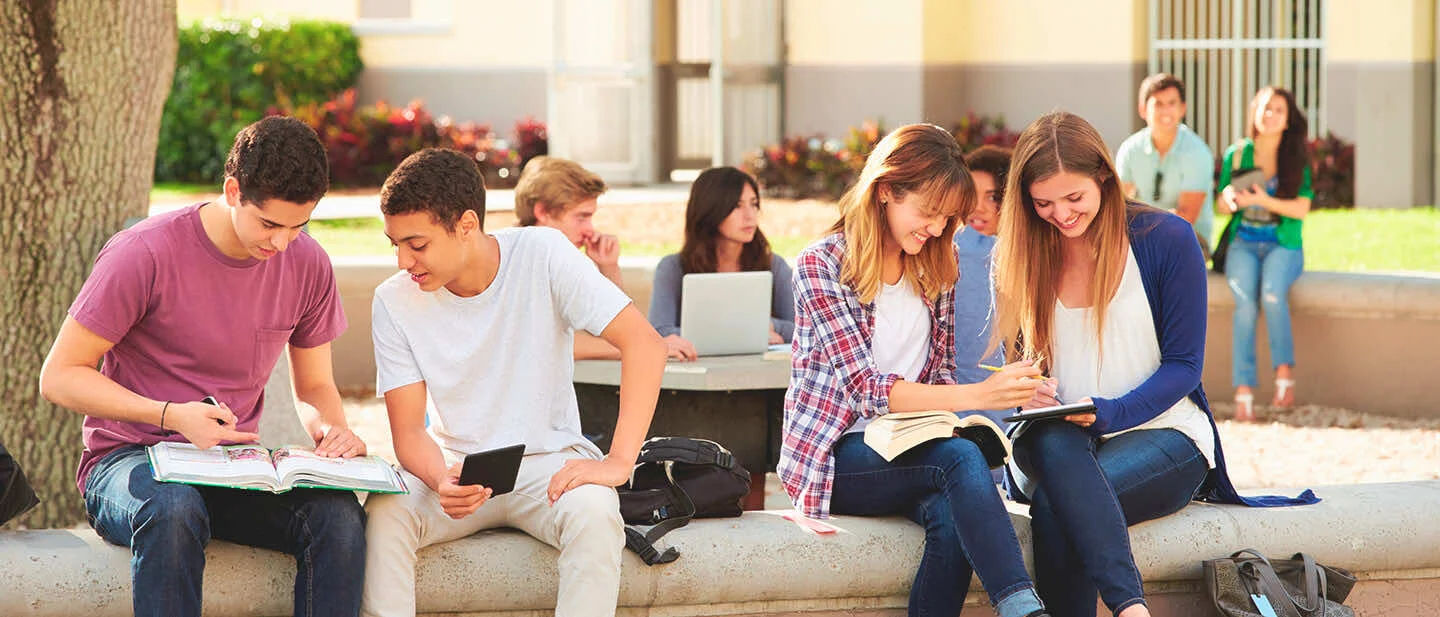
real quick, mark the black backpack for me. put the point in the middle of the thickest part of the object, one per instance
(677, 479)
(16, 496)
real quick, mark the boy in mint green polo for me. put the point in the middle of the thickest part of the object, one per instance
(1166, 164)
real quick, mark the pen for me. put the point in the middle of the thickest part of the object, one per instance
(996, 369)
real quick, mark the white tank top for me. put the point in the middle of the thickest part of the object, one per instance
(1131, 355)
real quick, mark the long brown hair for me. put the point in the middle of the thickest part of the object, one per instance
(1028, 259)
(922, 159)
(714, 195)
(1292, 157)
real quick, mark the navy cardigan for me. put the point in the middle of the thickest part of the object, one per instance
(1174, 274)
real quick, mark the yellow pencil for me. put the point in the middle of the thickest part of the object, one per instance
(996, 369)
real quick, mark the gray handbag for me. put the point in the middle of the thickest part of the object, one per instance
(1295, 587)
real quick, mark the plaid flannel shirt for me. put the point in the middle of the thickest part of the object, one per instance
(833, 378)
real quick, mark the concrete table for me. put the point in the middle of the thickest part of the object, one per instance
(734, 400)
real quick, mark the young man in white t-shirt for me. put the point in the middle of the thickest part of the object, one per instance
(483, 327)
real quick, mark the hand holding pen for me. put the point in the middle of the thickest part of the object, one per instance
(1046, 395)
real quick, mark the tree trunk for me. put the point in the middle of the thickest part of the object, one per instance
(82, 85)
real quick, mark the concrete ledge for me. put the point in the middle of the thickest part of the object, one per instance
(1362, 341)
(763, 564)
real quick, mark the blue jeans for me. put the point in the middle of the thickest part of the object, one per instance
(1088, 493)
(1260, 275)
(166, 526)
(945, 486)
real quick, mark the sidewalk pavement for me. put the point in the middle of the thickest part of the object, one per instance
(367, 204)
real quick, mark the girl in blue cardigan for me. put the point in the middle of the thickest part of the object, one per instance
(1112, 296)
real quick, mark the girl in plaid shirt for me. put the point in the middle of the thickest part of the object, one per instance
(874, 305)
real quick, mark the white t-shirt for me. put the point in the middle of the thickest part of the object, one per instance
(498, 366)
(901, 339)
(1131, 355)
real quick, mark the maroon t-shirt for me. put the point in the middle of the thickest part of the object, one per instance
(188, 321)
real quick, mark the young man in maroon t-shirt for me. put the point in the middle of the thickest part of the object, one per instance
(201, 302)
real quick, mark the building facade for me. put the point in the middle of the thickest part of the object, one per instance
(626, 85)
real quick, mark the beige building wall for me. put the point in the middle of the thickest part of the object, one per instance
(936, 60)
(1025, 57)
(1380, 93)
(852, 60)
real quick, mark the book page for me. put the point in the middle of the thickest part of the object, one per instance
(292, 464)
(221, 463)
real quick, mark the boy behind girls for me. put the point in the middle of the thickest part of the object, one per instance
(1166, 164)
(480, 325)
(559, 193)
(197, 302)
(974, 302)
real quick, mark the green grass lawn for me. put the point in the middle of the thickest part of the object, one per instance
(1335, 240)
(174, 191)
(1372, 240)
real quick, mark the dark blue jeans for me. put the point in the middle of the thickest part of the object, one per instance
(945, 486)
(1088, 493)
(166, 526)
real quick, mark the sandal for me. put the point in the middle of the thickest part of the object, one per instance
(1283, 387)
(1245, 407)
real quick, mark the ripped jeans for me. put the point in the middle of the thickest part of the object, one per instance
(1260, 275)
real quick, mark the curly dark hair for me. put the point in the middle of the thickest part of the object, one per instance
(993, 160)
(279, 158)
(440, 181)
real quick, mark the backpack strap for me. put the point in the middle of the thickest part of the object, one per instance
(645, 548)
(666, 455)
(685, 450)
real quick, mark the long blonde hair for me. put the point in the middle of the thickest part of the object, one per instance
(1028, 259)
(923, 159)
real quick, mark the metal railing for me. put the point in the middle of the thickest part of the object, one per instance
(1225, 50)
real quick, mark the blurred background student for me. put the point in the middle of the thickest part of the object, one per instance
(974, 298)
(1166, 164)
(1265, 255)
(722, 234)
(560, 194)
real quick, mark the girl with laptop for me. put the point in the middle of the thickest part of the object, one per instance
(874, 334)
(1113, 295)
(722, 234)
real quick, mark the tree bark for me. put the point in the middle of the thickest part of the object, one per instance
(82, 86)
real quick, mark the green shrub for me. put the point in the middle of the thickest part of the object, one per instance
(232, 72)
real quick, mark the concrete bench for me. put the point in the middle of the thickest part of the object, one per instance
(762, 564)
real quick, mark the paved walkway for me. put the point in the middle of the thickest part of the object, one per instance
(367, 204)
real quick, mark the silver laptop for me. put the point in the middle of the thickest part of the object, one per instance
(726, 313)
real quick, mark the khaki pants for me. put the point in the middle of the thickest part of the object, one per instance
(584, 525)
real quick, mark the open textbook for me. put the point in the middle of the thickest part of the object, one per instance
(894, 433)
(256, 468)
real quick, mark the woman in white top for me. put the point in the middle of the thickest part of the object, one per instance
(1110, 296)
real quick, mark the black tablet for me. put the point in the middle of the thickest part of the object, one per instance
(1047, 413)
(493, 469)
(1243, 179)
